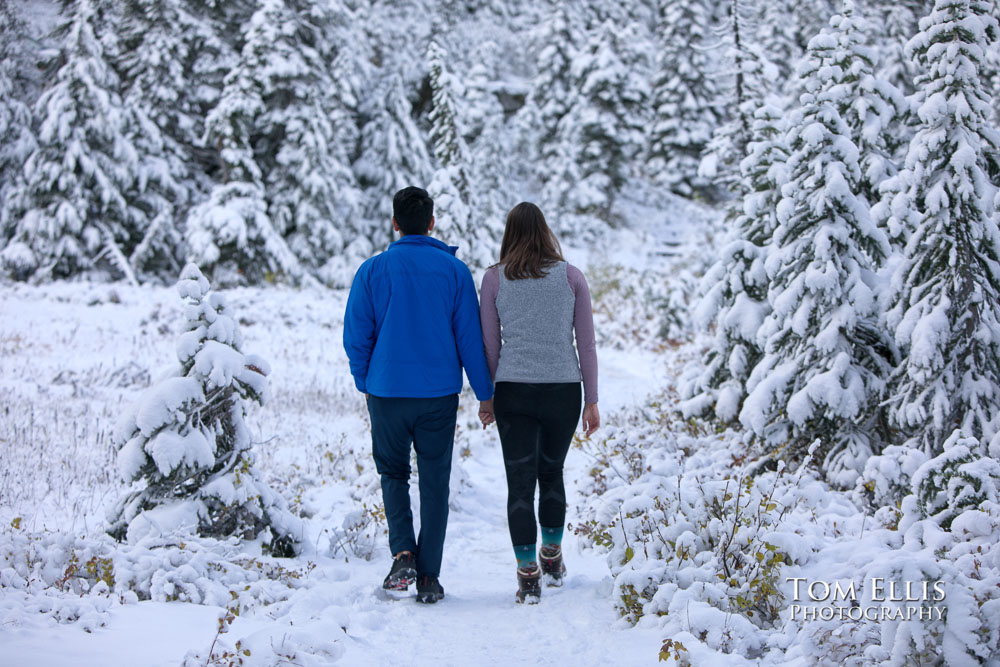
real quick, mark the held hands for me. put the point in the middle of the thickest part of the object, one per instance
(486, 413)
(591, 418)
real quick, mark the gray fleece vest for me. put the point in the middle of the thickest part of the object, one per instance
(536, 328)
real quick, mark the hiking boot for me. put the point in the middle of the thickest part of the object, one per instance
(529, 590)
(402, 574)
(553, 568)
(429, 589)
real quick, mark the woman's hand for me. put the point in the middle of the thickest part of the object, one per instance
(486, 413)
(591, 418)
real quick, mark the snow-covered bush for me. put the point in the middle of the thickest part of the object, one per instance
(959, 478)
(185, 445)
(48, 566)
(690, 533)
(948, 522)
(886, 479)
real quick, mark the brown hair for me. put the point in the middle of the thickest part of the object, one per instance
(529, 247)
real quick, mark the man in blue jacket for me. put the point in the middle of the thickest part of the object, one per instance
(412, 323)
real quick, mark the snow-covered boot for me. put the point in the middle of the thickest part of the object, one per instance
(552, 564)
(529, 590)
(402, 574)
(429, 589)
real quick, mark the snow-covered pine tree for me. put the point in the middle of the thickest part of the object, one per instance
(17, 140)
(960, 478)
(553, 93)
(231, 232)
(684, 96)
(163, 44)
(898, 23)
(784, 29)
(494, 153)
(874, 109)
(393, 153)
(158, 41)
(75, 205)
(736, 294)
(777, 33)
(185, 444)
(305, 135)
(604, 128)
(944, 300)
(821, 376)
(458, 220)
(744, 90)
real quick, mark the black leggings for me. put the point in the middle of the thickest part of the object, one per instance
(536, 424)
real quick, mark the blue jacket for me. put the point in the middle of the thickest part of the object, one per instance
(412, 323)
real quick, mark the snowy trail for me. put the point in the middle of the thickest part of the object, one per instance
(479, 623)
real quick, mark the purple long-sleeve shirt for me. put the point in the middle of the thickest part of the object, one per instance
(535, 322)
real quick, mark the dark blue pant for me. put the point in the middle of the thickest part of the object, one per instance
(429, 424)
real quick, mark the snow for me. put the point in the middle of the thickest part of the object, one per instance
(161, 406)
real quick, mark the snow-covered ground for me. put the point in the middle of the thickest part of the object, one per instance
(74, 355)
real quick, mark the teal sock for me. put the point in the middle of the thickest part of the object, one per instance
(525, 555)
(552, 536)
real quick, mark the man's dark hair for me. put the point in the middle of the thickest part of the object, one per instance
(413, 209)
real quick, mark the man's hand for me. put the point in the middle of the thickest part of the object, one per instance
(486, 412)
(591, 418)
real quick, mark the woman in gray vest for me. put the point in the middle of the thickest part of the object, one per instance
(531, 303)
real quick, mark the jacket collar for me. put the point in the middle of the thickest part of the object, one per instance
(422, 239)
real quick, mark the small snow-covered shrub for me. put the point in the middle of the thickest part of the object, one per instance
(185, 445)
(886, 479)
(44, 568)
(958, 478)
(361, 530)
(951, 546)
(689, 534)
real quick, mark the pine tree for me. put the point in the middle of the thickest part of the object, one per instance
(898, 24)
(451, 186)
(158, 41)
(495, 155)
(960, 478)
(684, 96)
(874, 109)
(736, 299)
(17, 140)
(744, 91)
(784, 29)
(75, 206)
(603, 131)
(820, 377)
(553, 94)
(305, 135)
(231, 232)
(943, 304)
(186, 444)
(393, 153)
